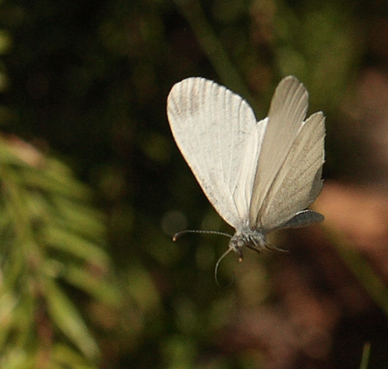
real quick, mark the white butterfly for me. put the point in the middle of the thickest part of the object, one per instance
(259, 176)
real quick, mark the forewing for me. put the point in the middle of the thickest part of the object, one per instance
(211, 126)
(243, 192)
(299, 181)
(285, 118)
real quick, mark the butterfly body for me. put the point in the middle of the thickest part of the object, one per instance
(254, 239)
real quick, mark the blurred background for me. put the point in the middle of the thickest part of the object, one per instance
(93, 187)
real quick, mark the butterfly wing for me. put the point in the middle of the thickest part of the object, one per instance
(299, 181)
(245, 180)
(212, 127)
(285, 118)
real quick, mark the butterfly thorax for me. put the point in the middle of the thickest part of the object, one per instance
(253, 239)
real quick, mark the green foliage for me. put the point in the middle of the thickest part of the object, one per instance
(51, 245)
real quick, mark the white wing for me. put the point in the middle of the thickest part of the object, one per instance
(213, 128)
(285, 118)
(243, 192)
(299, 181)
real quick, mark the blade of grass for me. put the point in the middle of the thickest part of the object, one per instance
(361, 269)
(213, 48)
(365, 356)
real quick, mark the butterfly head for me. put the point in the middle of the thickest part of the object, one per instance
(253, 239)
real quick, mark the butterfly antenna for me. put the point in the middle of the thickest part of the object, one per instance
(218, 264)
(177, 235)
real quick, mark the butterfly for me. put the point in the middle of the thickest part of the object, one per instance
(258, 175)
